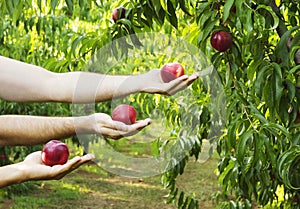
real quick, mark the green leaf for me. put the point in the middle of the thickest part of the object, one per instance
(284, 106)
(274, 16)
(17, 12)
(70, 5)
(172, 14)
(296, 40)
(258, 146)
(241, 145)
(293, 51)
(192, 204)
(180, 199)
(281, 50)
(39, 25)
(149, 14)
(39, 2)
(260, 79)
(276, 129)
(254, 67)
(82, 3)
(249, 23)
(9, 6)
(184, 7)
(287, 161)
(291, 90)
(227, 172)
(204, 18)
(260, 20)
(181, 166)
(186, 202)
(277, 85)
(272, 90)
(125, 22)
(244, 15)
(207, 30)
(156, 6)
(294, 69)
(269, 95)
(75, 44)
(233, 205)
(231, 134)
(269, 148)
(53, 5)
(227, 9)
(163, 4)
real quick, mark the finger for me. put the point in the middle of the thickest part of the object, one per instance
(84, 159)
(71, 165)
(119, 126)
(116, 134)
(178, 86)
(187, 81)
(172, 84)
(87, 158)
(108, 122)
(184, 84)
(179, 80)
(131, 129)
(115, 125)
(194, 76)
(141, 124)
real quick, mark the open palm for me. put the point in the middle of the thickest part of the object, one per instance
(37, 170)
(154, 84)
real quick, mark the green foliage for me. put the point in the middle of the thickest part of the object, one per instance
(259, 148)
(260, 74)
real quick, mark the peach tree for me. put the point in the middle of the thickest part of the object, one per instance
(259, 70)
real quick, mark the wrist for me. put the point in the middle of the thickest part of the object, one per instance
(133, 84)
(84, 124)
(140, 83)
(19, 173)
(24, 173)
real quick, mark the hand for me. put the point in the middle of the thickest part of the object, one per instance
(103, 125)
(35, 169)
(152, 83)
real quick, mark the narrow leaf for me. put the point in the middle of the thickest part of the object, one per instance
(227, 9)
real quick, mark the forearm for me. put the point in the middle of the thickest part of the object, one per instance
(83, 87)
(22, 82)
(30, 130)
(12, 174)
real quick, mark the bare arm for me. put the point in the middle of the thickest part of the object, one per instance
(30, 130)
(10, 174)
(32, 168)
(23, 82)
